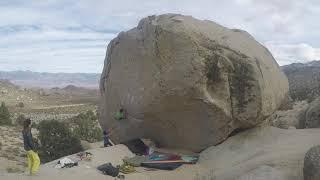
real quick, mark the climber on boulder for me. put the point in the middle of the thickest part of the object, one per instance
(120, 114)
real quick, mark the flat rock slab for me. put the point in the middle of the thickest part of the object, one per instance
(281, 149)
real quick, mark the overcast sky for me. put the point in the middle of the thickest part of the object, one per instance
(72, 35)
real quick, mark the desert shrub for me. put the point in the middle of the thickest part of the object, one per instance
(20, 105)
(56, 140)
(20, 120)
(86, 127)
(4, 115)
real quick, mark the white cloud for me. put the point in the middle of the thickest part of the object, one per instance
(289, 53)
(54, 50)
(52, 35)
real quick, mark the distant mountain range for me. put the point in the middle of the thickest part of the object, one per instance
(31, 79)
(304, 80)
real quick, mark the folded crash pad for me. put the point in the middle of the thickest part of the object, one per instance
(162, 166)
(163, 157)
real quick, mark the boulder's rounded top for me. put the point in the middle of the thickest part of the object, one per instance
(200, 30)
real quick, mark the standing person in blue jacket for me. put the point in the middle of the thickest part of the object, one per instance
(106, 138)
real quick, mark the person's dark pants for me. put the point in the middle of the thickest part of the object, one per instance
(107, 144)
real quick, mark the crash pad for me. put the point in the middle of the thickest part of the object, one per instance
(162, 166)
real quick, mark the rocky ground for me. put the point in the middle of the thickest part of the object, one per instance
(12, 154)
(260, 153)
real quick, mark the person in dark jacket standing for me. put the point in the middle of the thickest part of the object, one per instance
(106, 140)
(33, 158)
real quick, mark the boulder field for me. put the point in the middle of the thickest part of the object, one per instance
(187, 83)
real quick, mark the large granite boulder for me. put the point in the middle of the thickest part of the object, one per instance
(187, 83)
(311, 168)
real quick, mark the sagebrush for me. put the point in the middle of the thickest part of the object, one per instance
(56, 140)
(5, 118)
(86, 127)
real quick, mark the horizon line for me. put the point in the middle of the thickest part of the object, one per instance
(49, 72)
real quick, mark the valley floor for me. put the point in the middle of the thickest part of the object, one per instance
(38, 105)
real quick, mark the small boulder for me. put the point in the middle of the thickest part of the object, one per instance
(311, 169)
(312, 116)
(294, 117)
